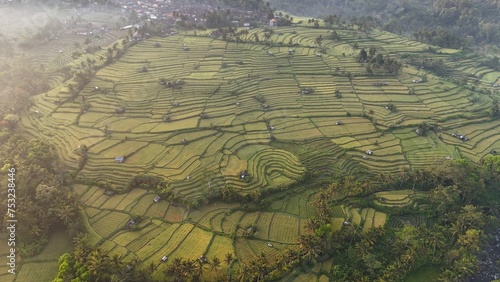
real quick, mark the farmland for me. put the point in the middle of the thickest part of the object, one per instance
(173, 231)
(240, 119)
(215, 123)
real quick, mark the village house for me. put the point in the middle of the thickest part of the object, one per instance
(273, 23)
(130, 223)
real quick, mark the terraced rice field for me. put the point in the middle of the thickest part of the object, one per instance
(399, 198)
(173, 231)
(226, 119)
(216, 122)
(366, 218)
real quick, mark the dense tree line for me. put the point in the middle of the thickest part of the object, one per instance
(493, 63)
(19, 80)
(440, 37)
(463, 201)
(222, 16)
(43, 200)
(248, 5)
(454, 22)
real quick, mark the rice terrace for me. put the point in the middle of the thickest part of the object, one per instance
(199, 144)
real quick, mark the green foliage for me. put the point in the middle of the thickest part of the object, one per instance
(493, 63)
(440, 37)
(447, 23)
(495, 108)
(66, 264)
(391, 107)
(149, 182)
(436, 66)
(492, 162)
(453, 241)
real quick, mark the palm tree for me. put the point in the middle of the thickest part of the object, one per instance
(215, 264)
(175, 270)
(351, 232)
(98, 264)
(465, 266)
(188, 267)
(82, 247)
(262, 267)
(312, 224)
(66, 213)
(228, 261)
(280, 263)
(151, 267)
(198, 270)
(290, 256)
(404, 175)
(309, 246)
(242, 272)
(116, 260)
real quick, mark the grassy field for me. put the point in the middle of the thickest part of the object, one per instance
(44, 266)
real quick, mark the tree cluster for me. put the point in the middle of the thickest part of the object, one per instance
(452, 23)
(441, 38)
(377, 63)
(462, 195)
(493, 63)
(436, 66)
(43, 200)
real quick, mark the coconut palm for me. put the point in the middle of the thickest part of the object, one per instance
(66, 213)
(228, 260)
(198, 270)
(215, 264)
(98, 264)
(151, 267)
(188, 267)
(117, 262)
(312, 224)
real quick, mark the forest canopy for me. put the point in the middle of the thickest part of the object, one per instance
(469, 20)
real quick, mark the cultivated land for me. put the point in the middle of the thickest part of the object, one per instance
(173, 231)
(43, 266)
(217, 129)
